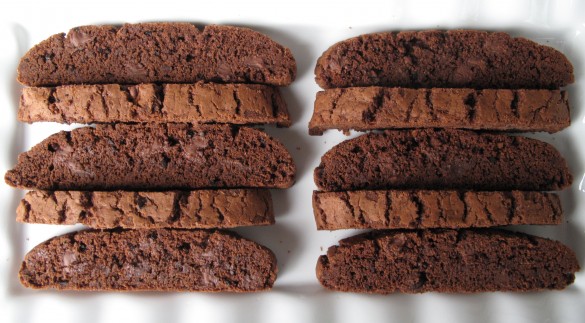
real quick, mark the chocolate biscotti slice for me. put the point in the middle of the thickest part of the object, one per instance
(156, 53)
(452, 261)
(442, 159)
(369, 108)
(195, 103)
(140, 210)
(150, 260)
(456, 58)
(423, 209)
(147, 157)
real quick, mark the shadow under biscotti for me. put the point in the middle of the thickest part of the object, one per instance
(296, 137)
(13, 229)
(278, 238)
(287, 36)
(297, 142)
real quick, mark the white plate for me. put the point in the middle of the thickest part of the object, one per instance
(307, 29)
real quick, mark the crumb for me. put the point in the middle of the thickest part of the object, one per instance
(321, 248)
(288, 251)
(280, 241)
(298, 147)
(349, 27)
(324, 142)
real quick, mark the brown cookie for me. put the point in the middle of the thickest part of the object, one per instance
(423, 209)
(451, 261)
(204, 209)
(442, 159)
(154, 157)
(157, 53)
(449, 59)
(193, 103)
(370, 108)
(150, 260)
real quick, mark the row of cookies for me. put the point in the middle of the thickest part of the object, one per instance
(439, 177)
(169, 164)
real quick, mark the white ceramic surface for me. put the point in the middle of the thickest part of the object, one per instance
(307, 28)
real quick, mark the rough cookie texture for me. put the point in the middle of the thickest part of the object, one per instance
(154, 157)
(442, 159)
(157, 52)
(369, 108)
(194, 103)
(138, 210)
(456, 58)
(421, 209)
(464, 261)
(150, 260)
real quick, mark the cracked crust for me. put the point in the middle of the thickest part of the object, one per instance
(203, 209)
(423, 209)
(442, 159)
(194, 103)
(370, 108)
(447, 59)
(157, 53)
(150, 260)
(451, 261)
(154, 157)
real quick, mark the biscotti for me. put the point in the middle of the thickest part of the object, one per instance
(449, 59)
(371, 108)
(157, 53)
(154, 157)
(194, 103)
(422, 209)
(150, 260)
(141, 210)
(442, 159)
(464, 261)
